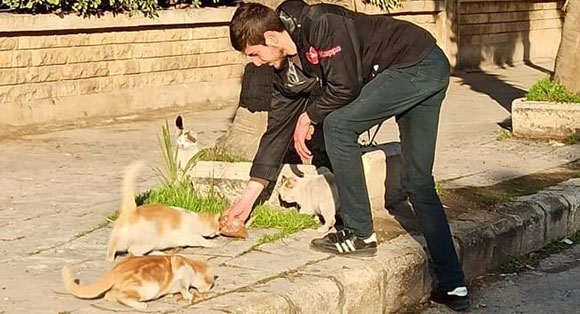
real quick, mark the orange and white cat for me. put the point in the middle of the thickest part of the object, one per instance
(150, 227)
(135, 280)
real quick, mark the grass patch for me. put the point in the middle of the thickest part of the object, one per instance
(187, 197)
(576, 175)
(572, 139)
(503, 135)
(439, 188)
(113, 215)
(218, 154)
(532, 260)
(263, 217)
(546, 90)
(287, 221)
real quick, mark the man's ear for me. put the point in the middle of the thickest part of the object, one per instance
(271, 38)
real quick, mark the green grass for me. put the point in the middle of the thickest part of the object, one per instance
(504, 135)
(546, 90)
(185, 196)
(576, 175)
(573, 139)
(218, 154)
(286, 221)
(263, 217)
(521, 263)
(439, 188)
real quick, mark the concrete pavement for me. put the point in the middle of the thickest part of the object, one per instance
(57, 188)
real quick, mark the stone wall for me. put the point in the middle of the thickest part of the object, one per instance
(59, 69)
(507, 31)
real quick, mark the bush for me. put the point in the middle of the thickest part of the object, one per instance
(96, 7)
(546, 90)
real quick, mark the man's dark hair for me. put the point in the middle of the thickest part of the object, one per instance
(250, 22)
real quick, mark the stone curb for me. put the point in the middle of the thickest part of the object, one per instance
(399, 277)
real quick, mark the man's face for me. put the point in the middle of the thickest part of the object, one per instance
(260, 55)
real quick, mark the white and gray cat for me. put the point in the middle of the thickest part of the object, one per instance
(316, 195)
(186, 144)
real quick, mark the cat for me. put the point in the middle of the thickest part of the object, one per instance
(149, 227)
(137, 279)
(186, 144)
(316, 196)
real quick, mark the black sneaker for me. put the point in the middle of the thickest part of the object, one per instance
(456, 299)
(345, 242)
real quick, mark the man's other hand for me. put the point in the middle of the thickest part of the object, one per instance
(301, 135)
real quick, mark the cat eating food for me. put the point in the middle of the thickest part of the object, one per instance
(138, 279)
(142, 229)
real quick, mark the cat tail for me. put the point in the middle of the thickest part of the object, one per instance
(89, 291)
(112, 248)
(128, 205)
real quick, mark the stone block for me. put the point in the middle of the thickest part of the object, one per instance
(44, 57)
(232, 278)
(309, 294)
(8, 76)
(508, 239)
(476, 243)
(123, 67)
(556, 209)
(298, 243)
(8, 43)
(533, 222)
(22, 58)
(405, 274)
(6, 59)
(382, 169)
(571, 193)
(210, 32)
(269, 264)
(544, 119)
(215, 45)
(221, 58)
(247, 302)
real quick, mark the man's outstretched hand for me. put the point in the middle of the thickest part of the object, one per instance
(301, 135)
(239, 211)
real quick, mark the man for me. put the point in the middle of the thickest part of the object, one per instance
(351, 72)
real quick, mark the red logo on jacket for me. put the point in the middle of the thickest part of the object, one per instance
(314, 56)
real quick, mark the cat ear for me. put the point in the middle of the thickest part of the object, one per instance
(179, 122)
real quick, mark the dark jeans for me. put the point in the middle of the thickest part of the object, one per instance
(413, 95)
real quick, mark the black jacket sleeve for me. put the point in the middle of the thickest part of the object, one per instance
(334, 38)
(289, 99)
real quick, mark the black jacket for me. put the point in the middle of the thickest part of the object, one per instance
(340, 51)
